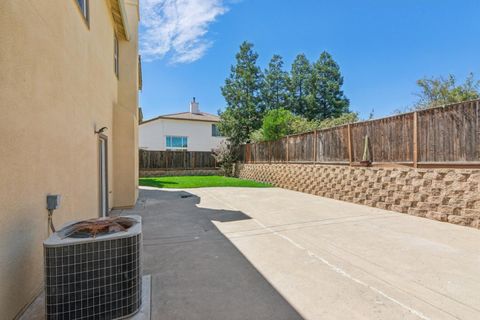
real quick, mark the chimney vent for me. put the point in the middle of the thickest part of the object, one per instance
(194, 108)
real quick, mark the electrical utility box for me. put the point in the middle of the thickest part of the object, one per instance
(53, 201)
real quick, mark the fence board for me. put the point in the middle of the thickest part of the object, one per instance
(449, 134)
(261, 152)
(332, 145)
(391, 139)
(279, 150)
(300, 147)
(175, 160)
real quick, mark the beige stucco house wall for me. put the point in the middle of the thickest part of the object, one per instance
(57, 86)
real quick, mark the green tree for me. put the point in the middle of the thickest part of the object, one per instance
(326, 98)
(243, 113)
(281, 122)
(441, 91)
(301, 124)
(257, 136)
(300, 76)
(342, 119)
(275, 86)
(276, 124)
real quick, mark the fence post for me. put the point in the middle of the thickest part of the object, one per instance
(350, 144)
(315, 146)
(415, 139)
(193, 160)
(254, 148)
(251, 160)
(477, 130)
(270, 152)
(286, 138)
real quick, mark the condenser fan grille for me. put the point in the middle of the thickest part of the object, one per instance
(100, 279)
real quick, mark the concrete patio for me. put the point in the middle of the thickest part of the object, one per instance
(196, 271)
(241, 253)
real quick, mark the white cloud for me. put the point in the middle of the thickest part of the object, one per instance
(177, 28)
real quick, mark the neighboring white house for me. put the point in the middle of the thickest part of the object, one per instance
(192, 131)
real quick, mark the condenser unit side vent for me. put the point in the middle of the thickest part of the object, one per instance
(94, 278)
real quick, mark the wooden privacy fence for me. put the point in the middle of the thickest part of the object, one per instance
(176, 160)
(446, 136)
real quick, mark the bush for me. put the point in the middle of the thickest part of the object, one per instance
(344, 118)
(277, 124)
(257, 136)
(300, 125)
(226, 155)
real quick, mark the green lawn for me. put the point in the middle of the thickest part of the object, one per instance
(181, 182)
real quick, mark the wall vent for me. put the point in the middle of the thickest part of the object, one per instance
(94, 278)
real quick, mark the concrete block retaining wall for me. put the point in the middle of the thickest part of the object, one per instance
(451, 195)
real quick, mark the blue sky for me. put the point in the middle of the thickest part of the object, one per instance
(382, 46)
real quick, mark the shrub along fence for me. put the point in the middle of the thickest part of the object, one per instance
(176, 160)
(446, 136)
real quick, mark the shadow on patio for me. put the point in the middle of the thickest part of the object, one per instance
(197, 273)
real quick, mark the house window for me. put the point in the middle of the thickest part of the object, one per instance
(176, 142)
(83, 5)
(215, 131)
(115, 55)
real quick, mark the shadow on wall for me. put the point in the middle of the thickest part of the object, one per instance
(197, 273)
(22, 266)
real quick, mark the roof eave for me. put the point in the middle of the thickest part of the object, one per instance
(182, 119)
(120, 18)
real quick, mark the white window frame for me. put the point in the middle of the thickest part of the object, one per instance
(176, 148)
(214, 125)
(84, 7)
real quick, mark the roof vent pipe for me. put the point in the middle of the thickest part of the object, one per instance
(194, 106)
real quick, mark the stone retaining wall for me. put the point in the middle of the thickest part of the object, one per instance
(200, 172)
(442, 194)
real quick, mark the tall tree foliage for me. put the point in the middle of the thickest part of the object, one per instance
(275, 86)
(300, 76)
(440, 91)
(276, 124)
(310, 92)
(326, 98)
(244, 111)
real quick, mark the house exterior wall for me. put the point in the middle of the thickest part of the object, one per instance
(125, 126)
(199, 133)
(58, 85)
